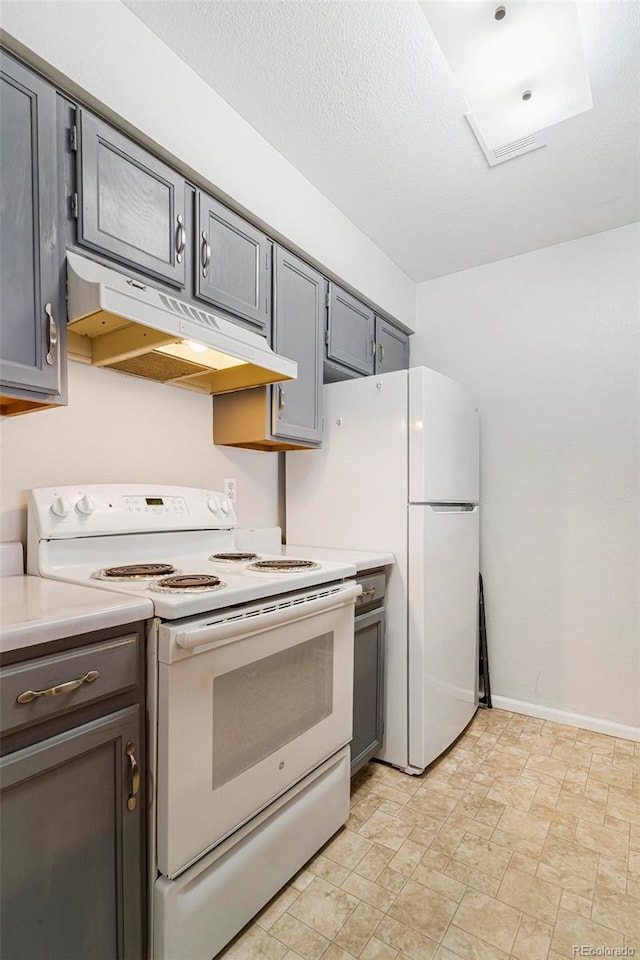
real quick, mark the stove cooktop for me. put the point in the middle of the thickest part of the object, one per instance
(195, 592)
(197, 584)
(135, 538)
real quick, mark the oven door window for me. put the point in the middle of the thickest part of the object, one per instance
(260, 707)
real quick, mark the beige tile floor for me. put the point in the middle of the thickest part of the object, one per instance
(522, 842)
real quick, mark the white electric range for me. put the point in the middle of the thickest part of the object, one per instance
(250, 676)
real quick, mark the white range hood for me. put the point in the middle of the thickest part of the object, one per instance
(119, 322)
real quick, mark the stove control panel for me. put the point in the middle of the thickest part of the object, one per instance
(158, 506)
(106, 509)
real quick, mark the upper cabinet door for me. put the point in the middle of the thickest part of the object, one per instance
(233, 265)
(30, 322)
(350, 338)
(131, 204)
(299, 306)
(392, 347)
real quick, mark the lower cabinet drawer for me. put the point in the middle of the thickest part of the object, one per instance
(50, 686)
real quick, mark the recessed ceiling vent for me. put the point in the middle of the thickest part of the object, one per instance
(507, 151)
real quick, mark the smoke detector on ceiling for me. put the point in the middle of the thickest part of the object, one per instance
(507, 151)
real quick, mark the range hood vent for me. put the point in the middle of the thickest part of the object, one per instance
(118, 322)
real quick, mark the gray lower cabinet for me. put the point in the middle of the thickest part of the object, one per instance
(73, 798)
(368, 688)
(350, 340)
(130, 204)
(32, 328)
(71, 847)
(392, 347)
(233, 263)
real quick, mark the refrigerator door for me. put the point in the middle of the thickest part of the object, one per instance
(443, 440)
(353, 494)
(443, 636)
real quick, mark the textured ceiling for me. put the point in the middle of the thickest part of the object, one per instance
(359, 98)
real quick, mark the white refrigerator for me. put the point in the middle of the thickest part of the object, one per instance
(398, 472)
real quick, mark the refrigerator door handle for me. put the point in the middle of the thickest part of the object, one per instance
(453, 507)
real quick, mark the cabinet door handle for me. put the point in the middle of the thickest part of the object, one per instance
(67, 687)
(281, 400)
(181, 238)
(205, 253)
(372, 347)
(381, 352)
(52, 334)
(134, 770)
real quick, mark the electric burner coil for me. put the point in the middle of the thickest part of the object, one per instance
(135, 571)
(233, 557)
(188, 583)
(285, 565)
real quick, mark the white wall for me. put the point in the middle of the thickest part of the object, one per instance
(124, 429)
(548, 343)
(105, 55)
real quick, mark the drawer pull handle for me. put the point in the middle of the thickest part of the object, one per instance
(67, 687)
(134, 770)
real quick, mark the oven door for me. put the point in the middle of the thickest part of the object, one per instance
(247, 706)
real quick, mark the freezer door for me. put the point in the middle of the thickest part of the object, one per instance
(443, 636)
(443, 440)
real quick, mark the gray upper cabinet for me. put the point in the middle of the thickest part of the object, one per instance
(130, 205)
(32, 334)
(287, 415)
(350, 333)
(72, 845)
(299, 308)
(233, 263)
(392, 347)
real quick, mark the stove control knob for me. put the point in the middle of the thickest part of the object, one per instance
(86, 505)
(212, 503)
(61, 508)
(225, 506)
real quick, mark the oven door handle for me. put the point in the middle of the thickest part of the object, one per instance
(233, 630)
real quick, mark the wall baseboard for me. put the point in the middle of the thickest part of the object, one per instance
(609, 727)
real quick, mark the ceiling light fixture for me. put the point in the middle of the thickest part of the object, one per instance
(520, 66)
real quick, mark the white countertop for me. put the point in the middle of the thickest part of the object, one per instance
(35, 610)
(361, 559)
